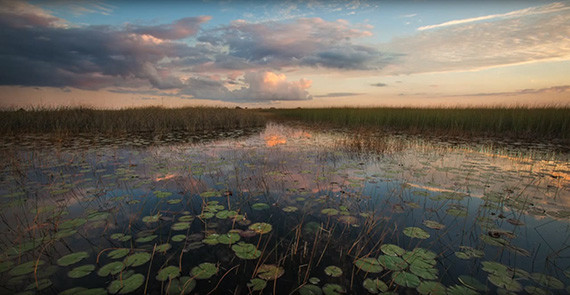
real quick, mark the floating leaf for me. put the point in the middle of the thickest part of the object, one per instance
(405, 279)
(257, 284)
(270, 272)
(186, 218)
(25, 268)
(535, 290)
(72, 258)
(125, 286)
(368, 264)
(310, 290)
(290, 209)
(505, 282)
(420, 253)
(160, 194)
(547, 281)
(118, 253)
(260, 206)
(469, 253)
(163, 248)
(211, 239)
(246, 251)
(73, 291)
(392, 262)
(392, 250)
(72, 223)
(261, 227)
(137, 259)
(416, 232)
(181, 286)
(494, 267)
(112, 268)
(152, 218)
(228, 238)
(333, 271)
(98, 216)
(168, 273)
(433, 224)
(178, 238)
(173, 201)
(181, 226)
(94, 291)
(472, 283)
(375, 286)
(431, 288)
(39, 285)
(333, 289)
(5, 266)
(329, 211)
(314, 280)
(421, 271)
(204, 271)
(81, 271)
(456, 212)
(120, 237)
(460, 290)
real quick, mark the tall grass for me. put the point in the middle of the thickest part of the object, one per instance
(133, 120)
(547, 122)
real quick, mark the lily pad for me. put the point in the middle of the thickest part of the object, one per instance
(152, 218)
(120, 237)
(416, 232)
(431, 288)
(260, 206)
(81, 271)
(246, 251)
(204, 271)
(39, 285)
(333, 289)
(290, 209)
(405, 279)
(178, 238)
(329, 211)
(310, 290)
(168, 273)
(125, 286)
(369, 264)
(118, 253)
(112, 268)
(181, 226)
(163, 248)
(374, 286)
(137, 259)
(392, 250)
(5, 266)
(181, 286)
(460, 290)
(261, 227)
(495, 268)
(72, 258)
(211, 239)
(228, 238)
(472, 283)
(423, 272)
(505, 282)
(333, 271)
(392, 262)
(72, 223)
(547, 281)
(433, 224)
(532, 290)
(257, 284)
(25, 268)
(270, 272)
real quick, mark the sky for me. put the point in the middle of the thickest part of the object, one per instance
(284, 54)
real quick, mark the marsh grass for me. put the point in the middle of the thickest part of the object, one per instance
(515, 122)
(156, 120)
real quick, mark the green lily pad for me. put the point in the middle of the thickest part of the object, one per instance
(456, 212)
(333, 271)
(421, 254)
(152, 218)
(257, 284)
(374, 286)
(181, 226)
(290, 209)
(72, 223)
(226, 214)
(532, 290)
(81, 271)
(246, 251)
(112, 268)
(392, 262)
(98, 216)
(369, 264)
(499, 242)
(25, 268)
(260, 206)
(423, 272)
(163, 248)
(211, 239)
(39, 285)
(433, 224)
(270, 272)
(5, 266)
(118, 253)
(137, 259)
(494, 268)
(120, 237)
(460, 290)
(261, 227)
(392, 250)
(472, 283)
(310, 290)
(178, 238)
(182, 286)
(547, 281)
(125, 286)
(405, 279)
(173, 201)
(469, 253)
(168, 273)
(72, 258)
(333, 289)
(73, 291)
(330, 211)
(204, 271)
(160, 194)
(228, 238)
(505, 282)
(314, 280)
(94, 291)
(416, 232)
(186, 218)
(431, 288)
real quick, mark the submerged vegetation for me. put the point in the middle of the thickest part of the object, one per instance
(516, 122)
(154, 120)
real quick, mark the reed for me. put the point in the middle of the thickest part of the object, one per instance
(517, 122)
(149, 119)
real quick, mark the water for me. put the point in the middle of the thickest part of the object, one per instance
(311, 202)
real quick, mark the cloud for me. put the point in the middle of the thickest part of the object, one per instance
(261, 87)
(554, 7)
(338, 94)
(379, 84)
(180, 29)
(553, 89)
(474, 46)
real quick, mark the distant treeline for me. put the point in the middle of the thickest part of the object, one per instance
(150, 119)
(518, 122)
